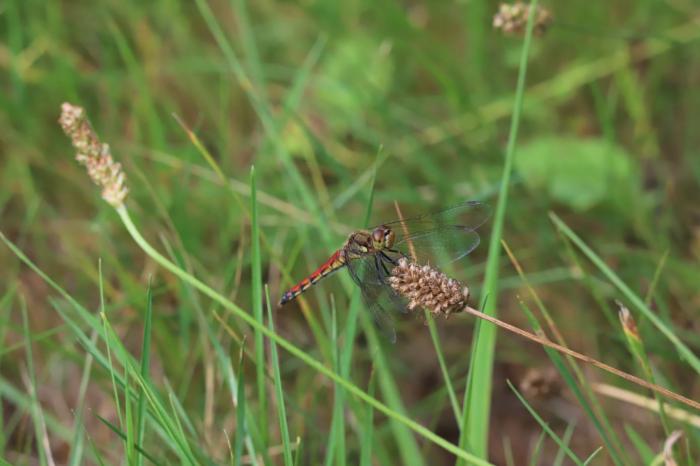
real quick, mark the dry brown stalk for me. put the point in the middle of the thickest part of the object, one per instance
(587, 359)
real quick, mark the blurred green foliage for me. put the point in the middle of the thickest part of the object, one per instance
(413, 99)
(344, 101)
(579, 173)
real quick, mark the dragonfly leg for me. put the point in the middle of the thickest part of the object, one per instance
(398, 253)
(390, 259)
(381, 266)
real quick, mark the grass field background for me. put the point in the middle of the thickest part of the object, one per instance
(583, 140)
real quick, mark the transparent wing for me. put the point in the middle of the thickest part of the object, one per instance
(370, 273)
(449, 233)
(468, 215)
(447, 244)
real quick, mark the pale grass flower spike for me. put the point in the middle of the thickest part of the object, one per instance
(512, 18)
(426, 287)
(94, 155)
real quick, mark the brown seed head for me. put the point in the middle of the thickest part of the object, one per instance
(427, 287)
(628, 324)
(512, 18)
(94, 155)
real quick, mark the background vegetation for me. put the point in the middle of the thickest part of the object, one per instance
(343, 108)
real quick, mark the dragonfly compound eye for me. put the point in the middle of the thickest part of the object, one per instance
(378, 235)
(389, 238)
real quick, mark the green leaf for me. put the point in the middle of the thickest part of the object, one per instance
(580, 173)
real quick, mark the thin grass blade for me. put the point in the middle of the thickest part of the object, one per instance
(562, 445)
(257, 295)
(279, 392)
(145, 370)
(477, 397)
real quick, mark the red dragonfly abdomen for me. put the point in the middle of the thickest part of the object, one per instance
(335, 262)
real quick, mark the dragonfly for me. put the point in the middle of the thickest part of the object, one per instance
(370, 255)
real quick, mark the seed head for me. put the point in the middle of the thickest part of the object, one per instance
(94, 155)
(512, 18)
(629, 326)
(427, 287)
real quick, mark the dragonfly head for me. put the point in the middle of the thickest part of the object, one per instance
(383, 237)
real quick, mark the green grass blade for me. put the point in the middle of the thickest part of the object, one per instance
(336, 440)
(177, 416)
(250, 47)
(78, 442)
(368, 429)
(122, 436)
(656, 277)
(562, 445)
(568, 433)
(30, 380)
(537, 450)
(408, 449)
(98, 457)
(477, 398)
(241, 433)
(279, 392)
(167, 419)
(112, 371)
(644, 451)
(257, 295)
(145, 370)
(245, 419)
(351, 321)
(443, 367)
(85, 341)
(129, 422)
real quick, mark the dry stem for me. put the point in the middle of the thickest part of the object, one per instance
(587, 359)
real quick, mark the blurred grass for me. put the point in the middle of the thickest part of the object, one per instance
(308, 92)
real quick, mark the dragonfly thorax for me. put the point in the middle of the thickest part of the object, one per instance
(365, 242)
